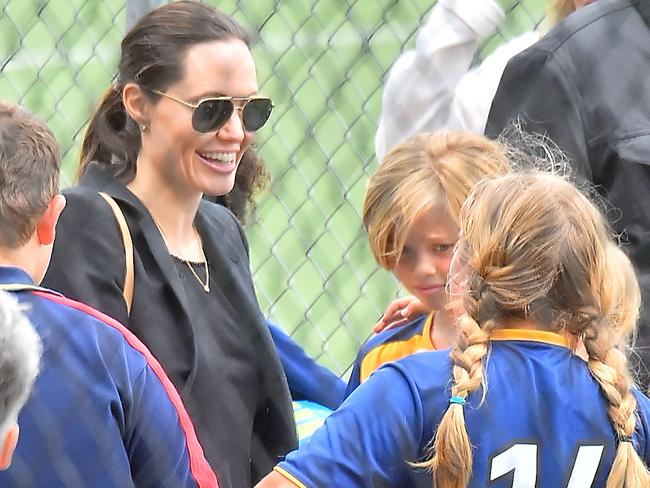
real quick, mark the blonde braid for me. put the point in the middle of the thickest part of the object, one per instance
(452, 457)
(608, 365)
(534, 249)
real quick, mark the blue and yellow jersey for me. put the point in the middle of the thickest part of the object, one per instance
(543, 422)
(391, 345)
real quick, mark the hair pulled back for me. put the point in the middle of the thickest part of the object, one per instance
(534, 248)
(152, 55)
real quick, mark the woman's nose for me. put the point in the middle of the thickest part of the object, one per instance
(233, 129)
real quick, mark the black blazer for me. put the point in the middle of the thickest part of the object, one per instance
(88, 264)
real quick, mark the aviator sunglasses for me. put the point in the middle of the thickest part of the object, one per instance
(210, 114)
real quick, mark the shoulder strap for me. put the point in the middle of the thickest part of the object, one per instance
(128, 250)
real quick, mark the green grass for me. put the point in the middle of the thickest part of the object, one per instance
(323, 62)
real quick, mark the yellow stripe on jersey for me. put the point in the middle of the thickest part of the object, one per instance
(392, 351)
(529, 335)
(290, 477)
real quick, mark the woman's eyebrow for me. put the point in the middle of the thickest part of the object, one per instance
(213, 94)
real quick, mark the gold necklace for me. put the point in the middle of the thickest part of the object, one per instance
(206, 285)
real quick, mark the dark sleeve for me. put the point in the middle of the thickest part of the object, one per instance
(537, 90)
(162, 445)
(88, 262)
(307, 379)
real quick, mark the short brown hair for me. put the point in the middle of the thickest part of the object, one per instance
(29, 173)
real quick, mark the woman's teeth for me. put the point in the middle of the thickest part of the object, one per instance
(224, 157)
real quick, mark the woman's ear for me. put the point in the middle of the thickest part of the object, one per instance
(136, 103)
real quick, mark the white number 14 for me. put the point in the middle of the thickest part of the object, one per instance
(522, 459)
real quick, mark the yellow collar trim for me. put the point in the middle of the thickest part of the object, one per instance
(289, 477)
(529, 335)
(428, 325)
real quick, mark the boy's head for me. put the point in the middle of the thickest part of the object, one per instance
(29, 184)
(20, 352)
(413, 202)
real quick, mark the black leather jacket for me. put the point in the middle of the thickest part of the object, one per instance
(586, 84)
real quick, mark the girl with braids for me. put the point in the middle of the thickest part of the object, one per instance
(178, 123)
(534, 276)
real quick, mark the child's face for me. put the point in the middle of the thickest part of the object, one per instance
(424, 264)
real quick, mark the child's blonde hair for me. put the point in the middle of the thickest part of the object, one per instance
(423, 171)
(534, 248)
(624, 299)
(559, 9)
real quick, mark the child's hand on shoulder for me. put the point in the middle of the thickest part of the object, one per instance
(399, 312)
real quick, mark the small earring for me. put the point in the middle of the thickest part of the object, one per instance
(143, 128)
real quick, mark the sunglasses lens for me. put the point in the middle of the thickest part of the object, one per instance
(210, 115)
(256, 112)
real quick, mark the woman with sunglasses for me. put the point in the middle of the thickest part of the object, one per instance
(176, 124)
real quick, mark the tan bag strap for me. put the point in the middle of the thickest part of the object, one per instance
(128, 250)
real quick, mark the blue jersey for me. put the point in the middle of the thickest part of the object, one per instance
(543, 424)
(102, 412)
(307, 379)
(391, 345)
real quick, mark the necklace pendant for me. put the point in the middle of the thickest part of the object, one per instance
(206, 288)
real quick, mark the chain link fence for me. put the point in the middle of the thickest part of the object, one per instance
(324, 64)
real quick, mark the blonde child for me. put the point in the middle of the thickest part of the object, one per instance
(511, 404)
(411, 216)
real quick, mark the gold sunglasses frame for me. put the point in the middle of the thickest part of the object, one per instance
(196, 105)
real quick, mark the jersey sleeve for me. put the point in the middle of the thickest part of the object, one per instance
(161, 443)
(307, 379)
(368, 440)
(156, 430)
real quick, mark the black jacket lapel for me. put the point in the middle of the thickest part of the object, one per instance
(145, 229)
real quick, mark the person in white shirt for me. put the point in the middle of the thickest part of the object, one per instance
(433, 87)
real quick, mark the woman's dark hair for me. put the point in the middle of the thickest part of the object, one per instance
(251, 178)
(152, 56)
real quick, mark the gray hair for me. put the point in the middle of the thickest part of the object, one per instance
(20, 353)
